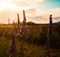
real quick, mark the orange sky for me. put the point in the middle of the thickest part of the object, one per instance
(35, 11)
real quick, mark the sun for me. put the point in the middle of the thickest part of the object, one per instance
(6, 5)
(10, 5)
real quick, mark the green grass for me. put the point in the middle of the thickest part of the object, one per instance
(28, 49)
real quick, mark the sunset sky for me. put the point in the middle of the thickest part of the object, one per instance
(37, 11)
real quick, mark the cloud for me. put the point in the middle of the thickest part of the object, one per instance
(20, 4)
(55, 12)
(38, 19)
(28, 3)
(44, 18)
(57, 17)
(31, 11)
(4, 15)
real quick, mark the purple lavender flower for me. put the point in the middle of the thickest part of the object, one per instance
(20, 32)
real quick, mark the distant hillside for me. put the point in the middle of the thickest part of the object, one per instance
(57, 23)
(31, 23)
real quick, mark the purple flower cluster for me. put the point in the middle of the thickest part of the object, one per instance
(20, 32)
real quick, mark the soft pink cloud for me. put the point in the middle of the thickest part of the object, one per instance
(32, 10)
(27, 3)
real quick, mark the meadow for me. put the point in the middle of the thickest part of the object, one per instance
(31, 44)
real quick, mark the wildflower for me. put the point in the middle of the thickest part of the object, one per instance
(48, 37)
(12, 45)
